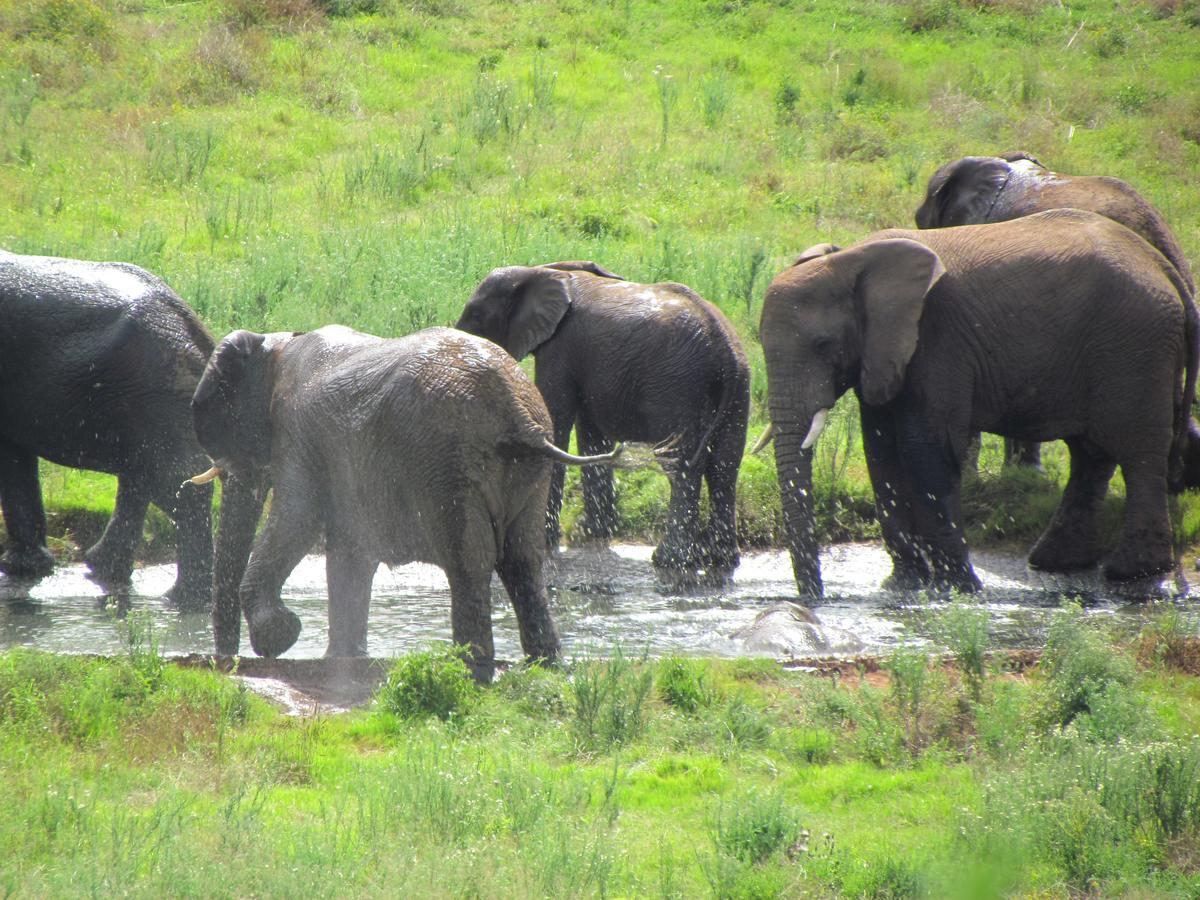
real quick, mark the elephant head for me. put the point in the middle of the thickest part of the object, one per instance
(231, 417)
(520, 307)
(838, 319)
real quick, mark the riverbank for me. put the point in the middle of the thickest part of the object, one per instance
(1075, 776)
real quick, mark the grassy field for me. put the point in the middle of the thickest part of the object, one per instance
(289, 163)
(620, 777)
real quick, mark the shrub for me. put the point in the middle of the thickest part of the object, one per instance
(609, 700)
(753, 827)
(683, 684)
(535, 690)
(1082, 667)
(909, 668)
(964, 629)
(431, 683)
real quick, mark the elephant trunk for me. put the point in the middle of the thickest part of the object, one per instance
(241, 505)
(794, 466)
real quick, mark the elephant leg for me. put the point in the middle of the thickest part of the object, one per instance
(191, 508)
(1071, 540)
(471, 617)
(1144, 547)
(241, 506)
(292, 527)
(24, 518)
(935, 479)
(893, 501)
(348, 578)
(599, 494)
(722, 555)
(678, 551)
(110, 559)
(520, 569)
(1023, 453)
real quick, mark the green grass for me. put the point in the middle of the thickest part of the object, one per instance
(131, 776)
(291, 163)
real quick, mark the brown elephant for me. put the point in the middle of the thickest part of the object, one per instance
(432, 447)
(978, 189)
(635, 362)
(1062, 324)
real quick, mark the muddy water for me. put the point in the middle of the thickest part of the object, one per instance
(600, 597)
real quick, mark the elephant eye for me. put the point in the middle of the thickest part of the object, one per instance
(822, 345)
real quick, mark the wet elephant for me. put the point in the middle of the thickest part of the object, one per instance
(1063, 324)
(638, 362)
(98, 363)
(433, 447)
(978, 189)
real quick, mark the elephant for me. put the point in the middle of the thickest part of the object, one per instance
(979, 189)
(432, 447)
(1063, 324)
(98, 363)
(639, 362)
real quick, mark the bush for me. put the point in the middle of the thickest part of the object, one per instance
(537, 691)
(753, 827)
(609, 700)
(1083, 669)
(964, 629)
(431, 683)
(683, 684)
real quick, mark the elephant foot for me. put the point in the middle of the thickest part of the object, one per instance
(1123, 566)
(273, 629)
(31, 562)
(963, 582)
(226, 643)
(1062, 552)
(189, 597)
(906, 579)
(104, 570)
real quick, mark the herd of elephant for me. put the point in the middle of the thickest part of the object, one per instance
(1029, 304)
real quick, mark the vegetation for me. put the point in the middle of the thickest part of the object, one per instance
(130, 776)
(288, 163)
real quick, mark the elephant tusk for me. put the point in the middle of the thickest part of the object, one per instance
(814, 431)
(205, 477)
(764, 439)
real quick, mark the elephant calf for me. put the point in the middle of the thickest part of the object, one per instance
(634, 362)
(98, 362)
(433, 447)
(1063, 324)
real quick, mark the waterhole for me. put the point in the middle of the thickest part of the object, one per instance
(602, 597)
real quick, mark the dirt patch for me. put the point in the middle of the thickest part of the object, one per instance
(327, 684)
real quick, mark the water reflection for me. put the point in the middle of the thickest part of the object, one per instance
(600, 597)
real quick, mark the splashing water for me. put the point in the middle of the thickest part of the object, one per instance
(600, 597)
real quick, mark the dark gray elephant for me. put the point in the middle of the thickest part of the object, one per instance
(1063, 324)
(432, 447)
(978, 189)
(98, 362)
(635, 362)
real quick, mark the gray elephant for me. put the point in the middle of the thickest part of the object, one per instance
(637, 362)
(1063, 324)
(98, 362)
(433, 447)
(978, 189)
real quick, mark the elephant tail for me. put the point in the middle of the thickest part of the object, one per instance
(1183, 468)
(735, 378)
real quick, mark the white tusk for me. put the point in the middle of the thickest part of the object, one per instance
(763, 439)
(205, 477)
(814, 431)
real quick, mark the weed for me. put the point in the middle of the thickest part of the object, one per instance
(964, 627)
(430, 683)
(909, 668)
(535, 690)
(684, 684)
(1169, 641)
(667, 93)
(609, 699)
(1083, 674)
(752, 827)
(746, 726)
(716, 93)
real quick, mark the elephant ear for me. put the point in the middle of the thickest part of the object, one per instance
(582, 265)
(894, 277)
(815, 252)
(963, 192)
(542, 298)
